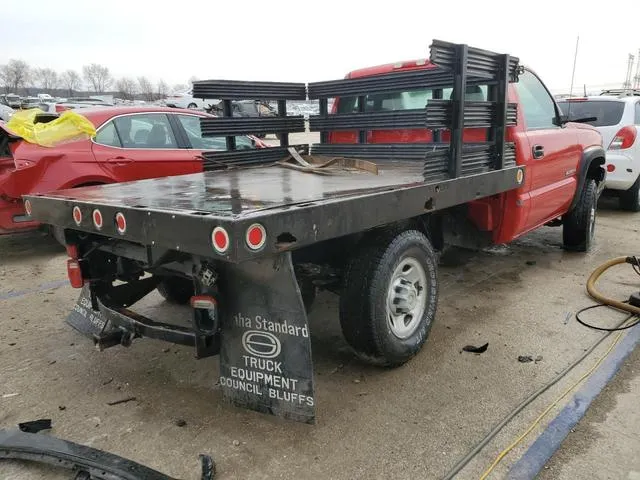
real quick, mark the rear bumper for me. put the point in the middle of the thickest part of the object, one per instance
(13, 218)
(626, 171)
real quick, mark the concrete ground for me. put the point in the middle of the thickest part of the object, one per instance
(416, 421)
(606, 442)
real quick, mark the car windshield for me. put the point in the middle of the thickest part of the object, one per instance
(606, 112)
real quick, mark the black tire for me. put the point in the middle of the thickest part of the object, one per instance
(579, 225)
(364, 316)
(630, 199)
(192, 106)
(177, 290)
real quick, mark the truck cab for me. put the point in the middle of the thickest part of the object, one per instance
(554, 153)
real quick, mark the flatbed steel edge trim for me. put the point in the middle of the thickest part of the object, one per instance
(307, 223)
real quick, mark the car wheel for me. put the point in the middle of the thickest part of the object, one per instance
(630, 199)
(389, 297)
(579, 225)
(192, 106)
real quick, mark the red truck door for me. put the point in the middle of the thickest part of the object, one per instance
(552, 155)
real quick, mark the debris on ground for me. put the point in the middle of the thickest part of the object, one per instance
(236, 443)
(525, 358)
(35, 426)
(530, 263)
(122, 400)
(62, 407)
(180, 422)
(357, 380)
(107, 382)
(337, 369)
(9, 395)
(208, 467)
(474, 349)
(538, 359)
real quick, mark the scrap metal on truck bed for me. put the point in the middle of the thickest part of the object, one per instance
(468, 148)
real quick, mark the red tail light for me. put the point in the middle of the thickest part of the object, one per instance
(77, 215)
(72, 251)
(220, 239)
(97, 219)
(121, 223)
(611, 167)
(256, 236)
(203, 301)
(74, 273)
(624, 138)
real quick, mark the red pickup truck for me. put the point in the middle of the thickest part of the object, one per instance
(467, 149)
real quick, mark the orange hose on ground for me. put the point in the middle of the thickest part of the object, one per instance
(599, 297)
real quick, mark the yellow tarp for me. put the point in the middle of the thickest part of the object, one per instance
(68, 127)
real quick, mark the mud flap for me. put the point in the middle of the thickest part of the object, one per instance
(265, 359)
(84, 319)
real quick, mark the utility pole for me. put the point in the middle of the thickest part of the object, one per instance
(627, 82)
(636, 78)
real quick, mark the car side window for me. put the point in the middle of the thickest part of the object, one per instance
(149, 130)
(191, 125)
(538, 106)
(108, 136)
(637, 116)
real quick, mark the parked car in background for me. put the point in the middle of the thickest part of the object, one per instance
(13, 100)
(6, 112)
(132, 143)
(245, 108)
(186, 100)
(617, 118)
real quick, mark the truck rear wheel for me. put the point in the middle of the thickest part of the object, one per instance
(177, 290)
(389, 298)
(579, 225)
(630, 199)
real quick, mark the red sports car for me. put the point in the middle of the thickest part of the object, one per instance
(131, 143)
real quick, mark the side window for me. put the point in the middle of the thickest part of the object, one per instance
(108, 136)
(151, 130)
(637, 117)
(538, 106)
(191, 125)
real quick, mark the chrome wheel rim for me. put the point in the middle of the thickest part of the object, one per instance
(406, 297)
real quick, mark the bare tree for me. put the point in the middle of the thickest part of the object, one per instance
(180, 87)
(45, 78)
(146, 88)
(127, 88)
(97, 76)
(162, 89)
(71, 81)
(15, 75)
(192, 79)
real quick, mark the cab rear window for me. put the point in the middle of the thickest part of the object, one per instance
(607, 113)
(385, 102)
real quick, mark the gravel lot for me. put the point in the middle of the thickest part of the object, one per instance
(412, 422)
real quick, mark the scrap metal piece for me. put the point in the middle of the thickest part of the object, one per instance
(208, 467)
(100, 465)
(35, 426)
(322, 167)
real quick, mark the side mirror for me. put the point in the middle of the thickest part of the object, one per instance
(560, 120)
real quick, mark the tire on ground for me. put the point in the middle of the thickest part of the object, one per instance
(373, 279)
(177, 290)
(579, 225)
(630, 199)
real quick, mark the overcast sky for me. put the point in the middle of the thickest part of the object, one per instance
(321, 40)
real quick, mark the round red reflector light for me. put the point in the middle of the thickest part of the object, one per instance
(220, 239)
(121, 223)
(611, 167)
(97, 219)
(27, 207)
(77, 215)
(256, 236)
